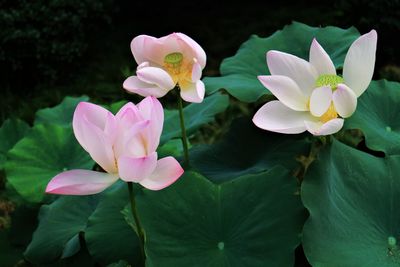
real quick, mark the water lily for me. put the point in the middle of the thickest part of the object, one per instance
(311, 95)
(166, 62)
(123, 145)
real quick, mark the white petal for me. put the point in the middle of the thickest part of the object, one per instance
(196, 72)
(359, 63)
(320, 100)
(286, 90)
(344, 100)
(134, 85)
(319, 128)
(321, 60)
(157, 76)
(276, 117)
(193, 92)
(299, 70)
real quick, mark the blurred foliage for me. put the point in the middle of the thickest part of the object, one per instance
(41, 40)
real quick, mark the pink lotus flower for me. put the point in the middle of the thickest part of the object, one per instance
(163, 63)
(311, 96)
(124, 145)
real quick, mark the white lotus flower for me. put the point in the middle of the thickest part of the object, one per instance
(311, 96)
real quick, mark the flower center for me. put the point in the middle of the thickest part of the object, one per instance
(179, 69)
(329, 80)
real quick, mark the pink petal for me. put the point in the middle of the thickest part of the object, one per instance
(299, 70)
(152, 110)
(193, 92)
(320, 100)
(130, 140)
(128, 115)
(198, 52)
(138, 48)
(80, 182)
(196, 72)
(99, 146)
(321, 60)
(286, 90)
(330, 127)
(94, 128)
(134, 85)
(156, 76)
(168, 170)
(136, 169)
(359, 63)
(345, 101)
(276, 117)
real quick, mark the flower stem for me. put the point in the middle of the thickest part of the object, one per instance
(184, 137)
(139, 228)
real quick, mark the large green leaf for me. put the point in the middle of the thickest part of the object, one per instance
(247, 149)
(58, 232)
(195, 116)
(254, 220)
(377, 116)
(354, 202)
(108, 236)
(46, 151)
(239, 73)
(11, 132)
(60, 114)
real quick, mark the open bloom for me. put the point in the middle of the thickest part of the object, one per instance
(124, 145)
(165, 62)
(311, 96)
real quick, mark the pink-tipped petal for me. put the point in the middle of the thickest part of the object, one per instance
(299, 70)
(286, 90)
(134, 85)
(319, 128)
(321, 60)
(132, 169)
(168, 170)
(359, 63)
(128, 115)
(156, 76)
(130, 140)
(345, 101)
(198, 52)
(196, 72)
(193, 92)
(80, 182)
(276, 117)
(138, 48)
(320, 100)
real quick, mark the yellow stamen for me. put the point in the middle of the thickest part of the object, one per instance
(179, 69)
(330, 114)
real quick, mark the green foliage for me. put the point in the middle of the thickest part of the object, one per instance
(239, 73)
(60, 224)
(61, 114)
(195, 116)
(46, 151)
(11, 132)
(247, 149)
(353, 199)
(238, 223)
(377, 116)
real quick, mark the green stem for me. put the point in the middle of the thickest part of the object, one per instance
(184, 137)
(139, 228)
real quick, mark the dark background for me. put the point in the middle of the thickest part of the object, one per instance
(50, 49)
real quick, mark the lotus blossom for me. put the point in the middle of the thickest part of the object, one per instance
(166, 62)
(311, 95)
(123, 145)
